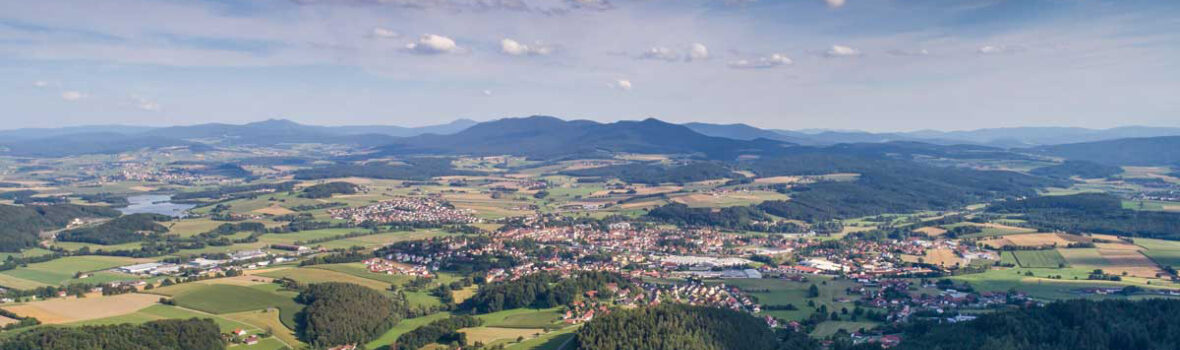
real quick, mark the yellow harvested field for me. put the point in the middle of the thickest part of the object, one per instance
(1028, 240)
(143, 188)
(931, 231)
(243, 280)
(942, 257)
(487, 335)
(66, 310)
(1131, 262)
(266, 320)
(4, 321)
(1111, 238)
(777, 180)
(274, 210)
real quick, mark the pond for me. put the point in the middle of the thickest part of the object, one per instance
(155, 204)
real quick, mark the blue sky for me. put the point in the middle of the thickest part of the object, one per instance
(852, 64)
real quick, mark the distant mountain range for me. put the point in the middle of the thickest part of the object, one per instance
(1021, 137)
(550, 137)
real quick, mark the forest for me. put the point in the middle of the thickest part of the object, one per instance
(541, 290)
(685, 327)
(343, 313)
(653, 174)
(900, 187)
(1079, 168)
(123, 229)
(326, 190)
(442, 331)
(1074, 325)
(1091, 212)
(416, 169)
(19, 225)
(191, 334)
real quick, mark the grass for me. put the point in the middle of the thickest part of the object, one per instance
(1040, 286)
(267, 320)
(783, 292)
(1039, 258)
(831, 327)
(1164, 253)
(522, 318)
(549, 341)
(308, 275)
(61, 271)
(162, 312)
(224, 299)
(403, 327)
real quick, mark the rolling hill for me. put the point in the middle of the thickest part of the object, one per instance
(549, 137)
(1144, 151)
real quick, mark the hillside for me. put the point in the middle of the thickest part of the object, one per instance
(1133, 151)
(549, 137)
(92, 143)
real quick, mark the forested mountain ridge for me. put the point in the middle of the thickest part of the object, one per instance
(549, 137)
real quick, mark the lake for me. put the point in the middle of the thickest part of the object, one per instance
(155, 204)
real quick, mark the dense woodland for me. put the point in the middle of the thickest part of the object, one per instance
(900, 187)
(657, 174)
(343, 313)
(328, 189)
(1079, 168)
(1066, 325)
(240, 191)
(443, 331)
(684, 327)
(416, 169)
(541, 290)
(19, 225)
(123, 229)
(1091, 212)
(191, 334)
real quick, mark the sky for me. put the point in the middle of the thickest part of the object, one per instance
(876, 65)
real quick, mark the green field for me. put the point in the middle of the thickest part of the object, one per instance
(403, 327)
(223, 299)
(522, 318)
(160, 312)
(1164, 253)
(1039, 258)
(831, 327)
(61, 271)
(783, 292)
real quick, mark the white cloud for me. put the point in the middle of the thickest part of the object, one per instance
(72, 95)
(901, 52)
(621, 84)
(487, 92)
(144, 103)
(430, 44)
(697, 51)
(383, 33)
(514, 48)
(998, 49)
(41, 83)
(774, 60)
(661, 54)
(841, 51)
(834, 3)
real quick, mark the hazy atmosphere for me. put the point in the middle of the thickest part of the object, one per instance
(837, 64)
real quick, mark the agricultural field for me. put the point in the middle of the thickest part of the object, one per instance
(403, 327)
(497, 335)
(522, 318)
(62, 271)
(784, 292)
(227, 298)
(1164, 253)
(1038, 258)
(73, 309)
